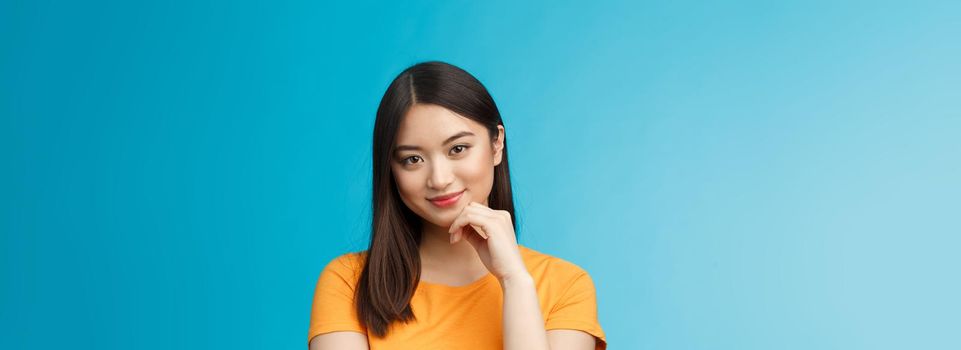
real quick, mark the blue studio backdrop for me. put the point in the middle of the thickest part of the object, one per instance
(733, 174)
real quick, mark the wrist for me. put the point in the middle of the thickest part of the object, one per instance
(517, 278)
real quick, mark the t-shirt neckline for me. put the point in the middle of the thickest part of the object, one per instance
(475, 284)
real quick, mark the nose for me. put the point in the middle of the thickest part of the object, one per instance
(441, 175)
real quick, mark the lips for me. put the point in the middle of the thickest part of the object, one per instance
(446, 196)
(447, 199)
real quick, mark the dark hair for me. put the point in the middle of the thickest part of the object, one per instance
(392, 264)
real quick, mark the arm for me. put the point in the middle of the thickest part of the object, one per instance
(339, 340)
(570, 339)
(333, 321)
(491, 233)
(523, 324)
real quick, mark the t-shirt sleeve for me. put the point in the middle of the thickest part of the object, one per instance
(577, 309)
(333, 305)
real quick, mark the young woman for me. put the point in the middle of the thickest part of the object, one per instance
(443, 269)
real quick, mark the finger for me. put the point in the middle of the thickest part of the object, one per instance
(480, 232)
(502, 215)
(482, 207)
(482, 219)
(480, 224)
(460, 221)
(479, 220)
(458, 224)
(475, 241)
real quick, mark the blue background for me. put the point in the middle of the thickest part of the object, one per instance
(734, 175)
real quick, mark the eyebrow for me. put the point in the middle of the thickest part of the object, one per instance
(448, 140)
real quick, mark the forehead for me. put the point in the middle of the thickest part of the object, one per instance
(427, 124)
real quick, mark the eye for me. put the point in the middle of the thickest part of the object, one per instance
(459, 149)
(410, 160)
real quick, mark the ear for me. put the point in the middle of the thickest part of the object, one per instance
(499, 146)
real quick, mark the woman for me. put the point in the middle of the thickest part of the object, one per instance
(443, 269)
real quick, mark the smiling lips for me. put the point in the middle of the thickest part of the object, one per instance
(447, 199)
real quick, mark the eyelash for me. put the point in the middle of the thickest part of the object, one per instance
(406, 161)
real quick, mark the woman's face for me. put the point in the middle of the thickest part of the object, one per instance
(442, 162)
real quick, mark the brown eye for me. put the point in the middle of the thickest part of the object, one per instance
(458, 149)
(410, 160)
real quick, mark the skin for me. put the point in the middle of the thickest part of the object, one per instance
(463, 242)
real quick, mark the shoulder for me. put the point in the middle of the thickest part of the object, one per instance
(351, 261)
(547, 267)
(346, 267)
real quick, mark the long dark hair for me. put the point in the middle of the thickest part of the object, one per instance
(392, 264)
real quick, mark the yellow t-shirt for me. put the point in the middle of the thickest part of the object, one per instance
(465, 317)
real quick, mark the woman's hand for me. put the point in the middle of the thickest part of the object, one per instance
(491, 233)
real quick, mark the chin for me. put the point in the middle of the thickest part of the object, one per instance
(444, 222)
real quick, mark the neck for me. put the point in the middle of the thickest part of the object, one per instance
(436, 251)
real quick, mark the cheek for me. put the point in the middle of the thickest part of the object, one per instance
(406, 184)
(402, 183)
(478, 175)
